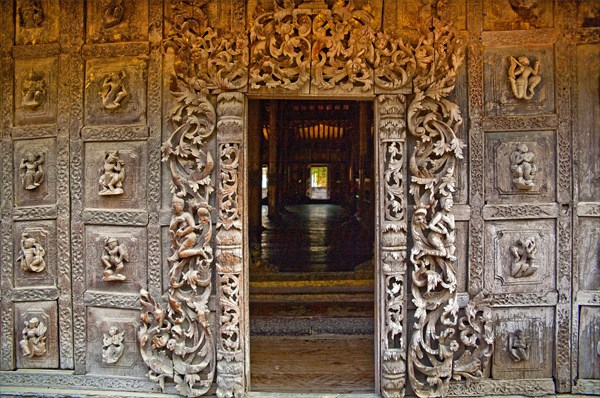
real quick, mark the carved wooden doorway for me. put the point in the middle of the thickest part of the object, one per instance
(311, 242)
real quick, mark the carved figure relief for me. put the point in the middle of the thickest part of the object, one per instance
(113, 174)
(523, 167)
(31, 14)
(523, 78)
(32, 174)
(34, 90)
(113, 90)
(523, 263)
(112, 13)
(114, 258)
(112, 346)
(33, 343)
(32, 254)
(518, 346)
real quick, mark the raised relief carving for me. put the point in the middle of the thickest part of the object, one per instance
(113, 90)
(518, 346)
(523, 263)
(33, 343)
(112, 346)
(112, 13)
(113, 174)
(31, 14)
(32, 254)
(523, 167)
(31, 168)
(33, 89)
(114, 258)
(523, 78)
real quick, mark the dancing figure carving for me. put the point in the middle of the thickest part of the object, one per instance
(114, 258)
(33, 343)
(32, 254)
(523, 78)
(33, 90)
(112, 174)
(523, 167)
(523, 263)
(31, 168)
(112, 346)
(113, 90)
(112, 14)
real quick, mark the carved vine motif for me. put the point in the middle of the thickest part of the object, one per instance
(112, 13)
(114, 258)
(113, 90)
(112, 346)
(33, 343)
(523, 167)
(176, 339)
(31, 14)
(33, 90)
(523, 263)
(523, 78)
(112, 174)
(32, 254)
(32, 174)
(518, 346)
(444, 345)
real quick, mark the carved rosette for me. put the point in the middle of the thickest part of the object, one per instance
(175, 336)
(392, 144)
(229, 259)
(444, 345)
(280, 48)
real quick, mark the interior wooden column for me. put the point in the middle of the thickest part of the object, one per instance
(254, 172)
(273, 172)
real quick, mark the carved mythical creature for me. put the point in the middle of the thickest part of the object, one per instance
(113, 174)
(112, 346)
(113, 90)
(31, 13)
(31, 169)
(112, 14)
(523, 167)
(34, 338)
(32, 254)
(523, 263)
(34, 90)
(523, 78)
(113, 259)
(518, 346)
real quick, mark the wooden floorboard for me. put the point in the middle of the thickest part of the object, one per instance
(314, 363)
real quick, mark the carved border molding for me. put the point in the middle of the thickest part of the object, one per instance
(588, 209)
(518, 37)
(524, 299)
(507, 123)
(115, 49)
(38, 294)
(588, 298)
(529, 387)
(138, 218)
(585, 386)
(35, 213)
(112, 300)
(36, 51)
(503, 212)
(115, 133)
(22, 133)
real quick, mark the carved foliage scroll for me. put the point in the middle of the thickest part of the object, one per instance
(176, 339)
(392, 135)
(229, 262)
(445, 344)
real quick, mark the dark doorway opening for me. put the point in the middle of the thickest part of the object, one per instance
(311, 214)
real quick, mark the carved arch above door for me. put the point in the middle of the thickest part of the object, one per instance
(316, 50)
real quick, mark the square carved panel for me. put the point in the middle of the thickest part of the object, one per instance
(589, 343)
(35, 253)
(517, 15)
(36, 91)
(115, 258)
(113, 352)
(520, 167)
(523, 344)
(587, 251)
(37, 22)
(514, 85)
(115, 175)
(36, 335)
(520, 256)
(35, 172)
(113, 21)
(115, 91)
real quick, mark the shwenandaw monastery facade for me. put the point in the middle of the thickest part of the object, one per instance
(285, 198)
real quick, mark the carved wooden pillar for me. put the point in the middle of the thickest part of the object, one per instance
(273, 188)
(229, 250)
(391, 257)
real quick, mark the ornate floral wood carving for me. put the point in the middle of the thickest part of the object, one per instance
(445, 344)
